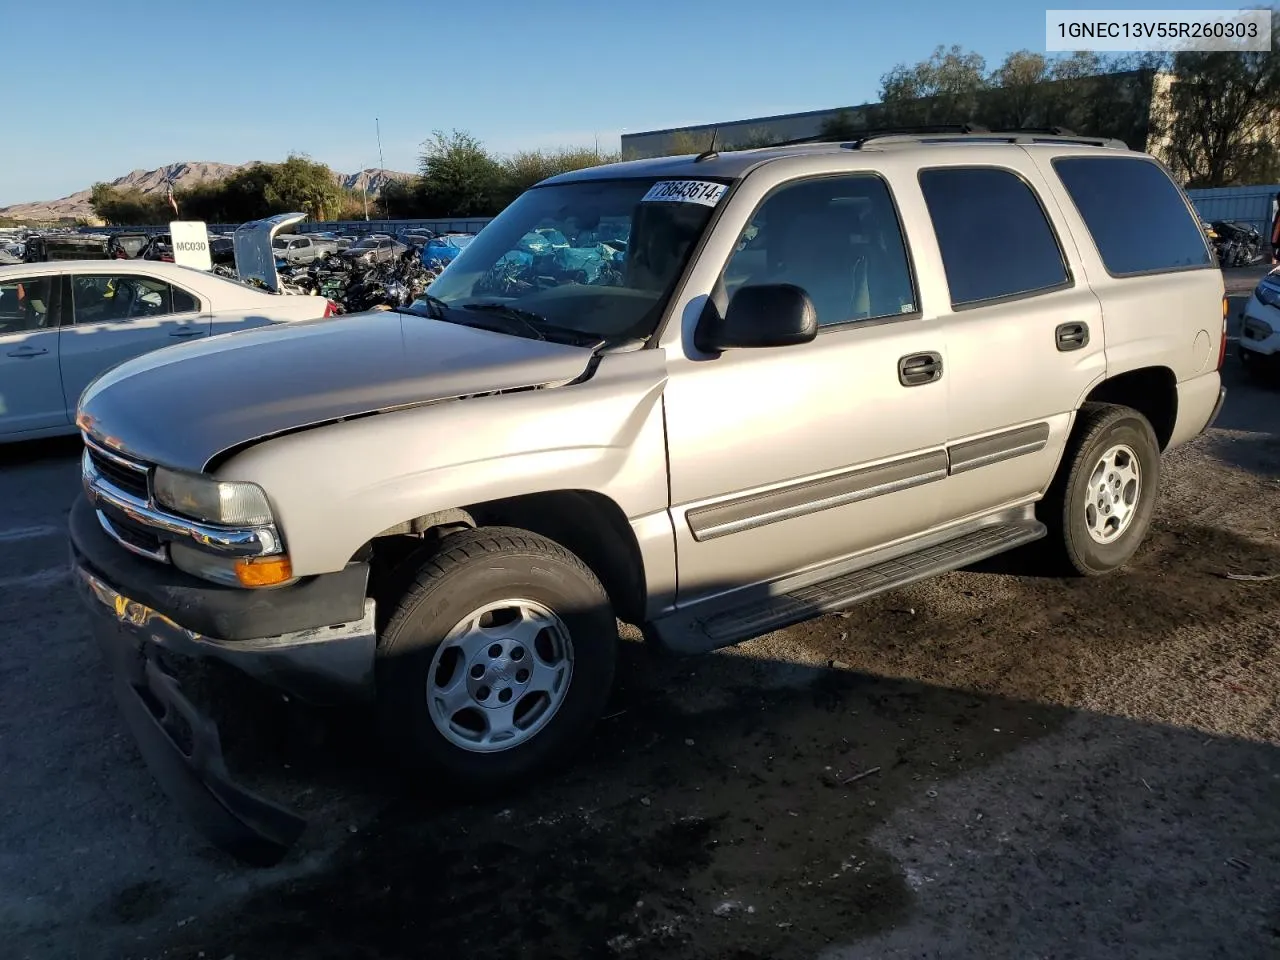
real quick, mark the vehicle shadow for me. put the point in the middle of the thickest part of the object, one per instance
(26, 452)
(941, 774)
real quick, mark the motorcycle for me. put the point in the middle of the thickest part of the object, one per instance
(1237, 244)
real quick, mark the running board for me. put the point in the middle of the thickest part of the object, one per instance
(699, 628)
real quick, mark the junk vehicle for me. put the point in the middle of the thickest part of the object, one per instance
(126, 246)
(302, 248)
(1237, 244)
(1259, 343)
(159, 246)
(801, 380)
(375, 248)
(440, 251)
(41, 248)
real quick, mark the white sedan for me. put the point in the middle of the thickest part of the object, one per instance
(62, 323)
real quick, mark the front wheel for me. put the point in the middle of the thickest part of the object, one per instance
(497, 660)
(1099, 506)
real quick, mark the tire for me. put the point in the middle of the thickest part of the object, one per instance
(1067, 509)
(564, 624)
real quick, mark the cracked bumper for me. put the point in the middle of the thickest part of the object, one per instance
(180, 744)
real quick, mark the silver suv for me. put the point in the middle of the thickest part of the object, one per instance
(746, 389)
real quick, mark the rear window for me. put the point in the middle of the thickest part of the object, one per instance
(995, 239)
(1137, 217)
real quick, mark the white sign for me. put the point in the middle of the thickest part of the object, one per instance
(190, 244)
(686, 191)
(1173, 31)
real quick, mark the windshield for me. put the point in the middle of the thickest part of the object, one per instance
(367, 243)
(598, 257)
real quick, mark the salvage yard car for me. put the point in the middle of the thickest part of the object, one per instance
(63, 323)
(298, 248)
(376, 248)
(807, 378)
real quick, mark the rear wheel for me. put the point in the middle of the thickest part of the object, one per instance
(497, 659)
(1099, 507)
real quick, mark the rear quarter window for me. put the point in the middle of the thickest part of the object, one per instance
(1137, 217)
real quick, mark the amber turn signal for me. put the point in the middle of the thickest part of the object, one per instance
(263, 571)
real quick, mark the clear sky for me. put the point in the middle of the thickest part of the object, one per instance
(96, 88)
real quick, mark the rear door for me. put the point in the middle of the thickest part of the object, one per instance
(1023, 328)
(113, 317)
(30, 388)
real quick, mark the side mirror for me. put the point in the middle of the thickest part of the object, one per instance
(763, 315)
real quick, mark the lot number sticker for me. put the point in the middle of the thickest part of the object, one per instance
(686, 191)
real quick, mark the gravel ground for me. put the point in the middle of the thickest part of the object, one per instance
(1048, 769)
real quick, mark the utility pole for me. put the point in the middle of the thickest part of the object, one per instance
(382, 166)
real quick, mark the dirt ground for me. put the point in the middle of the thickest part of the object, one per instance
(989, 765)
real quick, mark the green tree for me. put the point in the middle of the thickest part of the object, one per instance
(459, 177)
(943, 89)
(522, 170)
(401, 199)
(300, 183)
(1222, 113)
(128, 206)
(1017, 96)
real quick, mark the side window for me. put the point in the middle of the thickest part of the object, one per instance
(995, 239)
(24, 304)
(303, 244)
(838, 239)
(184, 302)
(1136, 215)
(107, 298)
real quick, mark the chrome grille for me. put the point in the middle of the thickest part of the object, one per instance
(125, 475)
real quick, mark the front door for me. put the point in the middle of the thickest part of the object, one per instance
(785, 458)
(115, 317)
(30, 388)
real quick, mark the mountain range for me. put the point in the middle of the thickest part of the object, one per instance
(187, 173)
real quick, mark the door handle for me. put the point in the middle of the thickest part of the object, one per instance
(919, 368)
(185, 333)
(26, 352)
(1071, 336)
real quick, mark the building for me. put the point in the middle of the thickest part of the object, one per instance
(1121, 105)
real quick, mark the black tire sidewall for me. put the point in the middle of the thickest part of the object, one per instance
(415, 634)
(1132, 430)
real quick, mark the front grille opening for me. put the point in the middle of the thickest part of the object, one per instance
(122, 478)
(132, 533)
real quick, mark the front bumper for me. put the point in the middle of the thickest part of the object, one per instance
(1260, 329)
(180, 744)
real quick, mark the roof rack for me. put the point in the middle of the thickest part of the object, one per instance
(939, 128)
(1022, 136)
(954, 133)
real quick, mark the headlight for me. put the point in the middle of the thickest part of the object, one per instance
(233, 503)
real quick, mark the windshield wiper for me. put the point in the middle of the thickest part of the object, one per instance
(436, 307)
(534, 323)
(538, 325)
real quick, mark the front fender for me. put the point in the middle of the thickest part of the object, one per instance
(335, 487)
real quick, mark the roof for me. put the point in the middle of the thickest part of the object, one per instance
(733, 164)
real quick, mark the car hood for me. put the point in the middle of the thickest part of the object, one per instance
(183, 406)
